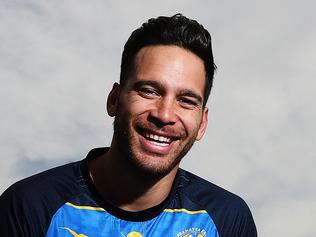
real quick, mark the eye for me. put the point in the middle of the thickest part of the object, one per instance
(188, 103)
(148, 92)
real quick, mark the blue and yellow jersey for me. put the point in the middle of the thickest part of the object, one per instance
(62, 202)
(73, 220)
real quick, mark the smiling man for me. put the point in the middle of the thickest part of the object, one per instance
(135, 187)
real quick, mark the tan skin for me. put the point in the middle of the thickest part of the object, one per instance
(166, 87)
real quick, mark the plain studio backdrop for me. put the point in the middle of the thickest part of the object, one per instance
(58, 60)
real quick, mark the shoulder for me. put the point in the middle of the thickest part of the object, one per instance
(48, 183)
(207, 193)
(229, 212)
(42, 193)
(35, 199)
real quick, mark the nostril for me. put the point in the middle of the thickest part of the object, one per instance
(164, 112)
(159, 123)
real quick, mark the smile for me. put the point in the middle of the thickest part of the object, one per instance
(156, 142)
(159, 139)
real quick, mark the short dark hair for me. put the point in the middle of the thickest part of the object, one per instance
(175, 30)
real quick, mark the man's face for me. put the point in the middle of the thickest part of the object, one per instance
(159, 111)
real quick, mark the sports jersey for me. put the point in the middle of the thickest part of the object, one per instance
(64, 202)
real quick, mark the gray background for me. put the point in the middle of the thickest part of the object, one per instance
(58, 60)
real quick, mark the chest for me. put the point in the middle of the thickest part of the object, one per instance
(84, 221)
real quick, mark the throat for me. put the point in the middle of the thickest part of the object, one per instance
(127, 190)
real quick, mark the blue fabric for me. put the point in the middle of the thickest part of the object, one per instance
(71, 220)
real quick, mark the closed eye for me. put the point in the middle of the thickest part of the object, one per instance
(190, 99)
(147, 92)
(189, 103)
(147, 89)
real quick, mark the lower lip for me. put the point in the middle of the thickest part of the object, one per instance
(155, 147)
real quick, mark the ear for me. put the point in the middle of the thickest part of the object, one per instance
(112, 101)
(203, 124)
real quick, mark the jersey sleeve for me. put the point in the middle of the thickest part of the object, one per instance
(26, 210)
(27, 207)
(238, 221)
(13, 221)
(247, 225)
(229, 212)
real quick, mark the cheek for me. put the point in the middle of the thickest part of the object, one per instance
(129, 104)
(138, 106)
(191, 121)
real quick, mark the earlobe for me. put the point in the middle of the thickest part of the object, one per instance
(203, 124)
(112, 100)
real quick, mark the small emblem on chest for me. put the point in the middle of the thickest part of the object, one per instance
(192, 232)
(134, 234)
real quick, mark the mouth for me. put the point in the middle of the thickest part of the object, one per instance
(157, 142)
(163, 140)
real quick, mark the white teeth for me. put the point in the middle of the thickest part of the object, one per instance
(158, 138)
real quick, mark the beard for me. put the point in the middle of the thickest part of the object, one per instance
(126, 138)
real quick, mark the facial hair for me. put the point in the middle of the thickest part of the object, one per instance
(124, 137)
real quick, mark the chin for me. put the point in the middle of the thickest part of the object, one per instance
(154, 165)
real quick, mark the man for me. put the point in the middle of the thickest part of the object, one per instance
(135, 187)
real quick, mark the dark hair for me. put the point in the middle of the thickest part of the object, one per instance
(175, 30)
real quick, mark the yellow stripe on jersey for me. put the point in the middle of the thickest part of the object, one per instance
(185, 210)
(85, 207)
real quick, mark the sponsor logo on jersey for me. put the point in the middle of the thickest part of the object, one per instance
(192, 232)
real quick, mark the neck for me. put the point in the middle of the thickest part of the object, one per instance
(121, 184)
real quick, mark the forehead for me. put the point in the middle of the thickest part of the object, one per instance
(170, 65)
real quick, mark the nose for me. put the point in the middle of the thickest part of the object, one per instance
(164, 112)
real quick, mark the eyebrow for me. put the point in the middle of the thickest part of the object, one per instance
(155, 84)
(159, 86)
